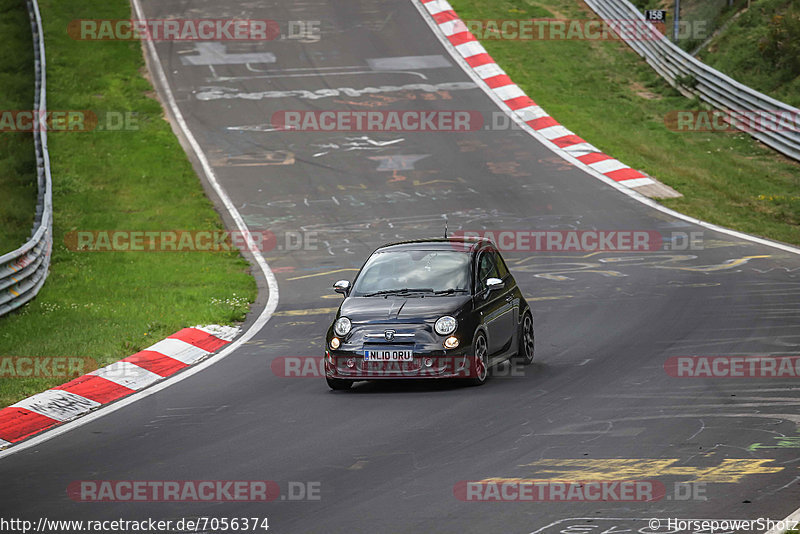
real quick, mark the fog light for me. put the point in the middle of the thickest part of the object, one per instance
(451, 342)
(351, 363)
(335, 343)
(428, 362)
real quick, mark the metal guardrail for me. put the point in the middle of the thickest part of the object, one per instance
(23, 271)
(694, 78)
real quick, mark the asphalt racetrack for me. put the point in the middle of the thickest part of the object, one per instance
(597, 404)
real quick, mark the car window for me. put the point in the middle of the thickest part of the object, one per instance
(502, 270)
(437, 270)
(486, 269)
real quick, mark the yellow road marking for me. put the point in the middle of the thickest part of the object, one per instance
(310, 311)
(730, 264)
(320, 274)
(728, 471)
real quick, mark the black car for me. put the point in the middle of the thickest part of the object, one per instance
(434, 308)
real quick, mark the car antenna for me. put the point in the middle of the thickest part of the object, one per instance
(445, 226)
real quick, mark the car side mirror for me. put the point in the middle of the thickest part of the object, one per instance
(342, 286)
(493, 284)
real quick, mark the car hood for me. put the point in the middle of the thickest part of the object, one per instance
(381, 309)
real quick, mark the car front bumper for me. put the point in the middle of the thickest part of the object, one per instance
(351, 365)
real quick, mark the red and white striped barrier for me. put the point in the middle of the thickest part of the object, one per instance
(119, 379)
(515, 98)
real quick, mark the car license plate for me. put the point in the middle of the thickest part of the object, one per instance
(389, 355)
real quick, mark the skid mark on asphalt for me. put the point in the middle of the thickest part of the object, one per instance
(225, 93)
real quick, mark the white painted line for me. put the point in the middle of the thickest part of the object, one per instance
(791, 519)
(225, 333)
(554, 132)
(489, 70)
(57, 404)
(216, 54)
(455, 54)
(437, 6)
(452, 27)
(180, 350)
(507, 92)
(581, 149)
(469, 49)
(608, 165)
(406, 62)
(272, 282)
(127, 374)
(530, 113)
(637, 182)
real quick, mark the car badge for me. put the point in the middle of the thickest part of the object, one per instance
(389, 335)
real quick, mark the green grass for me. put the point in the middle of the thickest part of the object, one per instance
(108, 305)
(17, 159)
(742, 50)
(606, 94)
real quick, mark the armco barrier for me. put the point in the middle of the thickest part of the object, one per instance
(23, 271)
(693, 77)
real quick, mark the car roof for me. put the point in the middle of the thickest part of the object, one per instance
(456, 243)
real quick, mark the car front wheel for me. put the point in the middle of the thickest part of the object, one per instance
(479, 368)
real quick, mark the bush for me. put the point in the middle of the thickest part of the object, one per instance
(781, 46)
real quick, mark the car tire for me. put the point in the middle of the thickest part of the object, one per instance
(479, 366)
(337, 384)
(525, 351)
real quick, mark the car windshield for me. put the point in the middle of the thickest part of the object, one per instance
(414, 271)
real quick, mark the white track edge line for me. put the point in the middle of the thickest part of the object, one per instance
(258, 324)
(565, 155)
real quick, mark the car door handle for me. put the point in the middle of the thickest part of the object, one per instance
(509, 298)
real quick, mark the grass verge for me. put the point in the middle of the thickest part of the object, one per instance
(17, 158)
(761, 49)
(605, 93)
(108, 305)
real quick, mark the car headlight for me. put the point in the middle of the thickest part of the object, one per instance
(445, 325)
(342, 326)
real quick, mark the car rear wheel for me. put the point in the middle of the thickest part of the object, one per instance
(479, 369)
(526, 340)
(338, 384)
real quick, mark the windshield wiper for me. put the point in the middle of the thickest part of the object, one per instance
(450, 291)
(403, 291)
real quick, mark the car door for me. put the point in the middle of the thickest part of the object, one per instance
(510, 295)
(494, 307)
